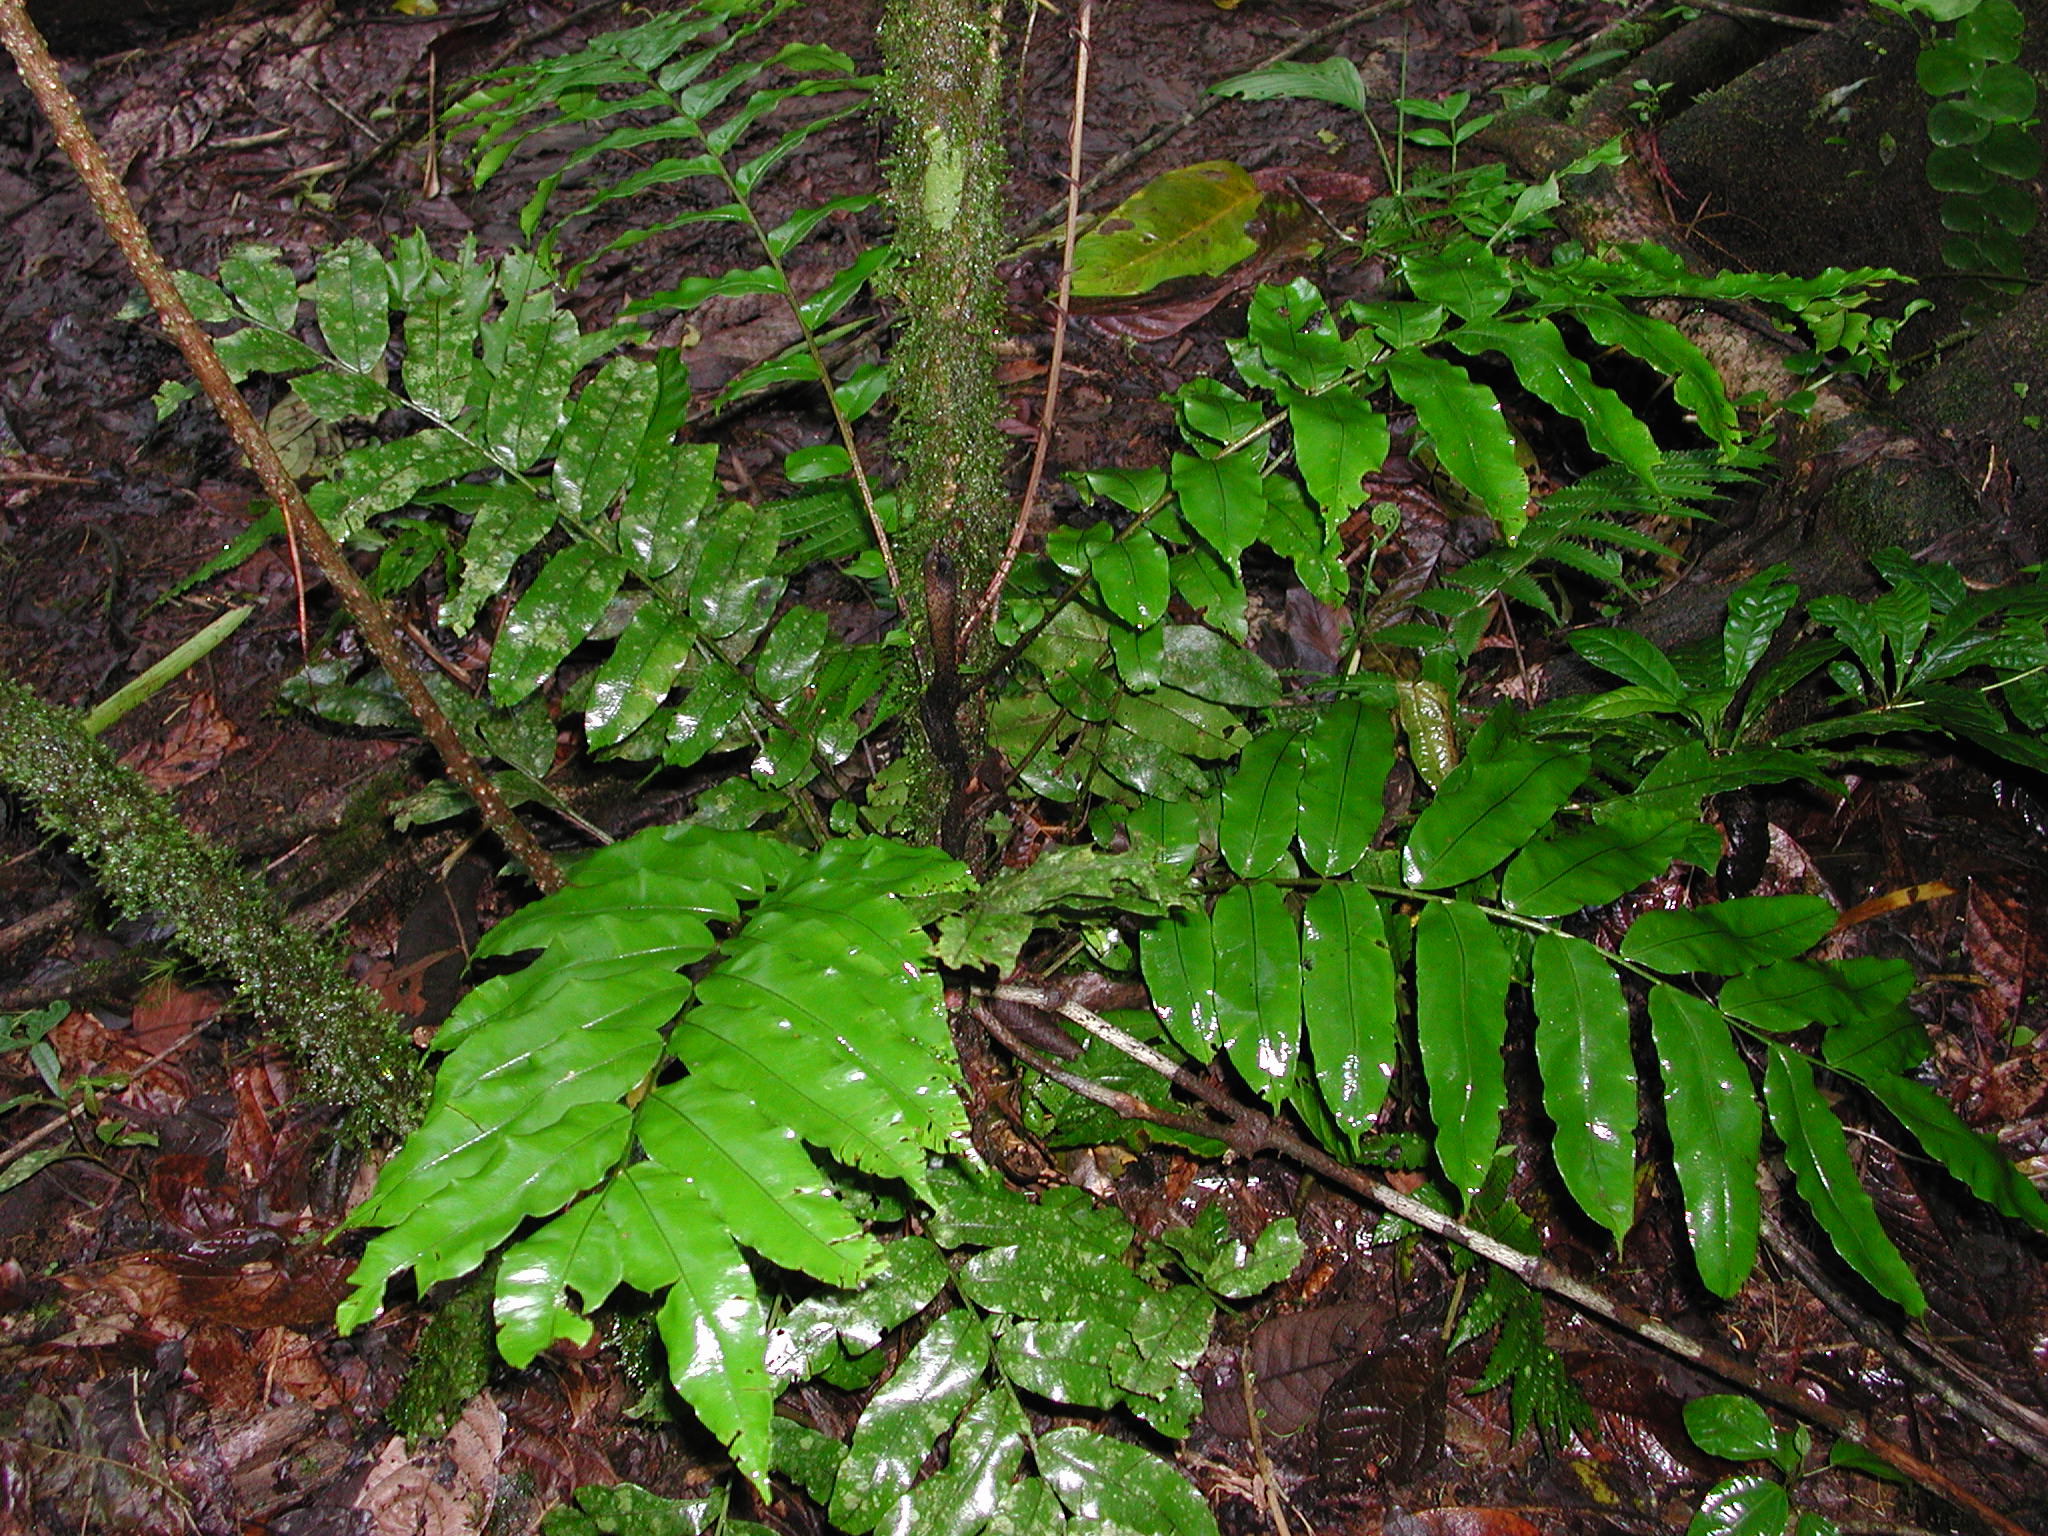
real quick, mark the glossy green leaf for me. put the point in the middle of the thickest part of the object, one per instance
(1292, 328)
(351, 296)
(1339, 439)
(1818, 1152)
(637, 677)
(734, 592)
(1733, 1428)
(1729, 937)
(262, 285)
(1221, 499)
(1716, 1130)
(1347, 755)
(1464, 277)
(674, 488)
(1348, 997)
(595, 457)
(1628, 655)
(1747, 1505)
(1471, 437)
(536, 361)
(1122, 1484)
(576, 1251)
(1178, 956)
(506, 521)
(1589, 1076)
(1461, 990)
(1196, 660)
(1694, 382)
(1972, 1158)
(1562, 873)
(1258, 986)
(1131, 574)
(552, 618)
(1487, 810)
(1259, 804)
(1187, 222)
(343, 396)
(1549, 371)
(982, 1460)
(1755, 611)
(757, 1176)
(917, 1404)
(1334, 79)
(382, 478)
(1794, 993)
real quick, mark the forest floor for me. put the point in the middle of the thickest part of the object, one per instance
(167, 1355)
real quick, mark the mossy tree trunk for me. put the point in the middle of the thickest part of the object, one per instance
(943, 89)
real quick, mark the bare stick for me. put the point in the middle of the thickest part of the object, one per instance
(110, 200)
(1247, 1130)
(1084, 29)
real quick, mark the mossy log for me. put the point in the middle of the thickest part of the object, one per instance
(351, 1050)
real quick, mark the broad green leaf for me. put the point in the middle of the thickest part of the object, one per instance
(537, 360)
(594, 459)
(506, 520)
(1694, 382)
(710, 1321)
(897, 1429)
(1471, 437)
(554, 616)
(1196, 660)
(1716, 1131)
(1335, 80)
(1818, 1152)
(1347, 755)
(1733, 1428)
(1188, 222)
(1259, 804)
(440, 350)
(1348, 994)
(1131, 574)
(1589, 1076)
(733, 592)
(343, 396)
(1974, 1159)
(1178, 956)
(1339, 439)
(1465, 278)
(674, 486)
(635, 680)
(1548, 370)
(255, 350)
(1120, 1484)
(1748, 1505)
(1221, 499)
(1629, 656)
(1258, 986)
(1487, 810)
(757, 1176)
(1292, 328)
(578, 1251)
(1755, 610)
(982, 1461)
(1461, 991)
(1560, 874)
(1729, 937)
(1794, 993)
(789, 657)
(262, 285)
(351, 296)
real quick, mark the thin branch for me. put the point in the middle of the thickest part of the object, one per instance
(1084, 32)
(110, 200)
(1248, 1130)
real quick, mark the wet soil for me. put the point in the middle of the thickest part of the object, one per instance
(167, 1359)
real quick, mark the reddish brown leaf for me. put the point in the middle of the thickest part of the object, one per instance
(1383, 1420)
(192, 748)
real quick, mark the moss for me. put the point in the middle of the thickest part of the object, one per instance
(451, 1363)
(351, 1050)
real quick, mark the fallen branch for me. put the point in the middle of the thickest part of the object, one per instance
(1246, 1131)
(117, 214)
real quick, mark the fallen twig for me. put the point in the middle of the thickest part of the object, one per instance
(110, 200)
(1247, 1130)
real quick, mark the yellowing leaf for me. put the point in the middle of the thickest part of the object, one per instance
(1188, 222)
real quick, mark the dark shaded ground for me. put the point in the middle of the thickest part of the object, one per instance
(166, 1359)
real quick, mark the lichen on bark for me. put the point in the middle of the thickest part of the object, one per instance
(147, 860)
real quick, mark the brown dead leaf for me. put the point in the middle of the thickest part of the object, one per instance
(292, 1363)
(175, 1290)
(262, 1089)
(166, 1014)
(192, 748)
(446, 1490)
(1467, 1520)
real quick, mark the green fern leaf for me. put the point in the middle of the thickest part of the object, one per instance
(506, 520)
(1348, 997)
(1260, 801)
(1488, 808)
(351, 297)
(1716, 1132)
(1348, 754)
(1179, 961)
(552, 617)
(637, 678)
(595, 457)
(1589, 1078)
(1258, 986)
(913, 1408)
(1461, 993)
